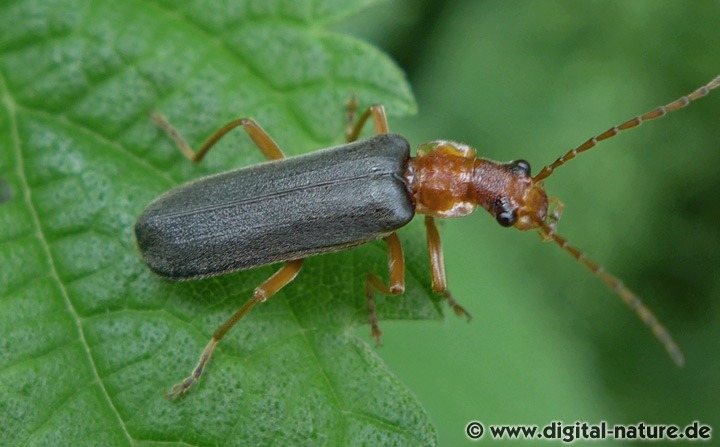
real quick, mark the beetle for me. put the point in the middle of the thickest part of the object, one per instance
(288, 209)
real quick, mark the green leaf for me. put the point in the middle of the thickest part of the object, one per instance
(89, 338)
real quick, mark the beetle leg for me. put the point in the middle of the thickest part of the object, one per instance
(437, 267)
(396, 265)
(270, 287)
(261, 139)
(352, 130)
(351, 107)
(553, 218)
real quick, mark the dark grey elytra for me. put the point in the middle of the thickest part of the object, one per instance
(281, 210)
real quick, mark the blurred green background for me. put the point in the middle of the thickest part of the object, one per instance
(549, 341)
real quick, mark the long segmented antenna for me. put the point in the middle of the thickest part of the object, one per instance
(655, 113)
(627, 295)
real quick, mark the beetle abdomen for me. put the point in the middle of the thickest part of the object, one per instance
(277, 211)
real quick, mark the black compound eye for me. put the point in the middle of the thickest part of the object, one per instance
(506, 218)
(504, 215)
(520, 166)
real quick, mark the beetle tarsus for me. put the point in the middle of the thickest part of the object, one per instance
(457, 308)
(181, 388)
(376, 333)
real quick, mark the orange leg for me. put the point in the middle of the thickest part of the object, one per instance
(273, 284)
(353, 127)
(262, 140)
(557, 208)
(396, 265)
(396, 260)
(437, 267)
(270, 287)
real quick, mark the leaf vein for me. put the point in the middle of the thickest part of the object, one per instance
(27, 196)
